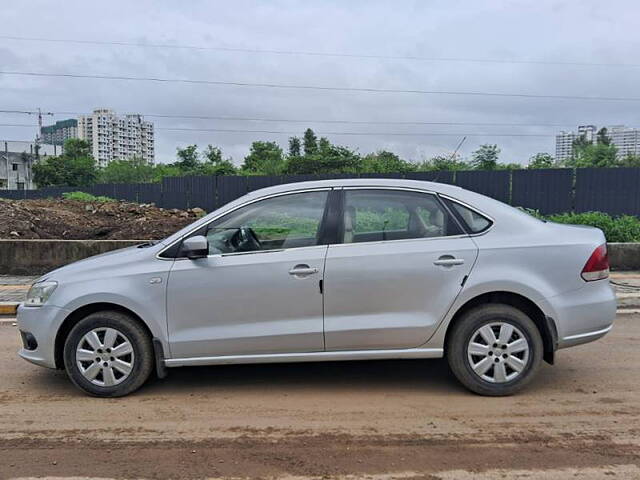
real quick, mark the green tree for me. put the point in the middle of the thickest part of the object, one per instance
(385, 162)
(444, 162)
(75, 167)
(602, 138)
(589, 155)
(327, 159)
(310, 142)
(132, 170)
(295, 147)
(215, 164)
(629, 160)
(581, 141)
(265, 158)
(486, 157)
(188, 160)
(541, 160)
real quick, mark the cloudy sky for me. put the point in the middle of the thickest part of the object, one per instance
(541, 47)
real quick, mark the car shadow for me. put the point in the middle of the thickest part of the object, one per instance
(433, 375)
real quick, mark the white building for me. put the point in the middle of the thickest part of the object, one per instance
(627, 140)
(564, 140)
(16, 163)
(114, 137)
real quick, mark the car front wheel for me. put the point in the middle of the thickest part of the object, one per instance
(494, 349)
(108, 354)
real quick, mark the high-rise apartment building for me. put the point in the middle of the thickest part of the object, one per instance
(115, 137)
(59, 132)
(626, 140)
(564, 140)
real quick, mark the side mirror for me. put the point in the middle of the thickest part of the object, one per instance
(195, 247)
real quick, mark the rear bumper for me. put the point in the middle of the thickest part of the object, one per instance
(42, 323)
(583, 315)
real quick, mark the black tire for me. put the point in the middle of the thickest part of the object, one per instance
(468, 325)
(142, 359)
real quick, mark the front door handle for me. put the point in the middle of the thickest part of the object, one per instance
(448, 261)
(302, 271)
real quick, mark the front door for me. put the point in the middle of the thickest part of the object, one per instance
(396, 273)
(259, 291)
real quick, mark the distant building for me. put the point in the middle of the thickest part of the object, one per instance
(115, 137)
(16, 162)
(59, 132)
(564, 140)
(626, 139)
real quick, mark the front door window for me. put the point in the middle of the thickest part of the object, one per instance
(287, 221)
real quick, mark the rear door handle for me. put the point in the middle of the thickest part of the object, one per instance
(448, 262)
(302, 271)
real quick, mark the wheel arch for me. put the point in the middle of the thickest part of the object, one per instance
(78, 314)
(546, 326)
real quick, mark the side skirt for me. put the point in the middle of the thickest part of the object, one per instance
(307, 357)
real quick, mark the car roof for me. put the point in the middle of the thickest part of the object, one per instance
(357, 182)
(510, 218)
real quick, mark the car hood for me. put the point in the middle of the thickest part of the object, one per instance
(102, 263)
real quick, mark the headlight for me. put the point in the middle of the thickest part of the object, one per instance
(40, 293)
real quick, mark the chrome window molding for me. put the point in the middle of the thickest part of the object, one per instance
(403, 240)
(249, 202)
(414, 190)
(470, 207)
(254, 252)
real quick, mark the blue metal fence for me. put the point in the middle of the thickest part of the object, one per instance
(614, 191)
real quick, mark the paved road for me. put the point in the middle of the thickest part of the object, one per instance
(394, 419)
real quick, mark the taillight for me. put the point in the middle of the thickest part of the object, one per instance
(597, 267)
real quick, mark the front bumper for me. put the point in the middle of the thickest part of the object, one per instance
(43, 324)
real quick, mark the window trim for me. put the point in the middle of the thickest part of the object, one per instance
(340, 233)
(249, 202)
(461, 221)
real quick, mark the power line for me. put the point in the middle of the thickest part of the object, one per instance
(368, 134)
(310, 121)
(285, 132)
(318, 54)
(315, 87)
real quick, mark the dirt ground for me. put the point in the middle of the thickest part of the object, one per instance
(69, 219)
(378, 420)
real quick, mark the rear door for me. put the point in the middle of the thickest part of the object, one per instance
(398, 269)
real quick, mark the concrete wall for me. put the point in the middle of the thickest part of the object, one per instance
(624, 256)
(35, 257)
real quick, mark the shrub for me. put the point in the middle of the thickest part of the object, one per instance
(625, 228)
(86, 197)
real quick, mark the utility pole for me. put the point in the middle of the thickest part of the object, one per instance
(453, 155)
(6, 159)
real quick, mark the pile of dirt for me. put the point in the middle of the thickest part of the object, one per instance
(73, 220)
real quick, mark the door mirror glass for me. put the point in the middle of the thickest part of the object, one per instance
(195, 247)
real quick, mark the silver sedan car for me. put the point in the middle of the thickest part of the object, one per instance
(329, 270)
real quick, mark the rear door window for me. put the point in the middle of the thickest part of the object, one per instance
(382, 215)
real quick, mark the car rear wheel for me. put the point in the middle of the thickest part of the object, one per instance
(494, 349)
(108, 354)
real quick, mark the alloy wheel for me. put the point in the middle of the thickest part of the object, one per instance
(498, 352)
(105, 357)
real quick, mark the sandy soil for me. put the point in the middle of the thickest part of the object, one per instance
(378, 420)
